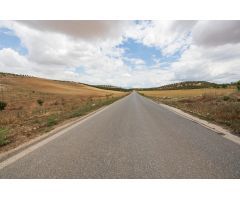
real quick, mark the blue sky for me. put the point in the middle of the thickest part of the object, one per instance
(133, 49)
(8, 39)
(149, 54)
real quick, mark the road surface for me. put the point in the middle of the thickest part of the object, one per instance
(132, 138)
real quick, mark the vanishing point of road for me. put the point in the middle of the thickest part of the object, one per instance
(132, 138)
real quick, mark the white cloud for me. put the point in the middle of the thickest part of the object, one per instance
(199, 63)
(209, 49)
(214, 33)
(55, 55)
(57, 49)
(134, 61)
(11, 58)
(84, 29)
(167, 36)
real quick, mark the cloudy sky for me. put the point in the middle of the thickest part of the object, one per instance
(122, 53)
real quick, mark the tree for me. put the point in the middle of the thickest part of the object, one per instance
(40, 102)
(2, 105)
(224, 85)
(238, 85)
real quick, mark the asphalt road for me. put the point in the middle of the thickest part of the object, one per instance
(132, 138)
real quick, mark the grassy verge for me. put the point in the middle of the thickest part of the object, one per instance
(92, 105)
(219, 108)
(3, 137)
(82, 110)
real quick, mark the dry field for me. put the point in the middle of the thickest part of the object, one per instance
(220, 106)
(188, 92)
(36, 105)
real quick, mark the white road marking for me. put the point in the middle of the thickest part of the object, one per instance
(32, 148)
(213, 127)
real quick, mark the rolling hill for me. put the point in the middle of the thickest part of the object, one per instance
(189, 85)
(31, 106)
(51, 86)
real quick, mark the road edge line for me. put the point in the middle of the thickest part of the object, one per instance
(15, 154)
(213, 127)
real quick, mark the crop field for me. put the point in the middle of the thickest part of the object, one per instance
(220, 106)
(34, 106)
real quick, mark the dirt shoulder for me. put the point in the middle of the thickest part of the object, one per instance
(219, 108)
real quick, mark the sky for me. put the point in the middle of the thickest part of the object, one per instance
(122, 53)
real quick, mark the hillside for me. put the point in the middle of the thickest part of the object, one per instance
(31, 106)
(218, 105)
(189, 85)
(110, 87)
(51, 86)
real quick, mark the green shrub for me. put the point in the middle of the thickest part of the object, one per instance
(2, 105)
(226, 98)
(224, 85)
(89, 106)
(238, 85)
(3, 136)
(40, 102)
(51, 121)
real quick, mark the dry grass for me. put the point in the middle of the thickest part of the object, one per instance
(188, 93)
(54, 87)
(34, 105)
(221, 106)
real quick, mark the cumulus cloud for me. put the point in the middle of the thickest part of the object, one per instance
(214, 33)
(168, 36)
(11, 58)
(199, 63)
(84, 29)
(135, 61)
(89, 51)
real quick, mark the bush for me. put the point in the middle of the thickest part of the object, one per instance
(226, 98)
(40, 102)
(3, 137)
(2, 105)
(238, 85)
(224, 85)
(52, 120)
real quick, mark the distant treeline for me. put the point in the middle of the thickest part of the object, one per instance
(110, 87)
(190, 85)
(13, 75)
(174, 86)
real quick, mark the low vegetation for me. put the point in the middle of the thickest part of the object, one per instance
(32, 106)
(188, 93)
(3, 137)
(52, 120)
(92, 105)
(191, 85)
(110, 87)
(2, 105)
(40, 102)
(221, 106)
(238, 85)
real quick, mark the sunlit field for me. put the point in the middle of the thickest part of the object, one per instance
(188, 92)
(221, 106)
(35, 105)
